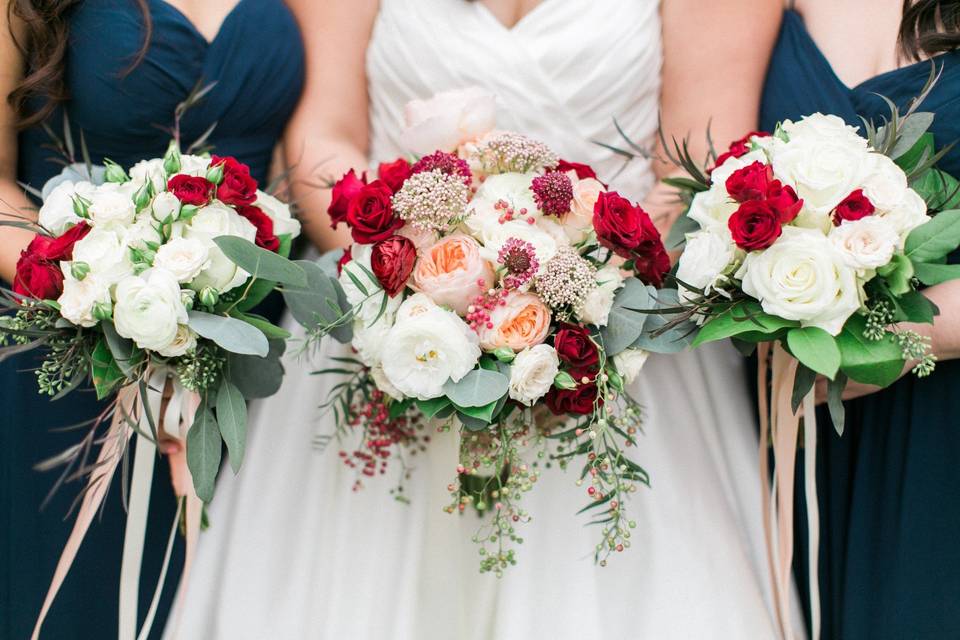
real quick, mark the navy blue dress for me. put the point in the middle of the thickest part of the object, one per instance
(257, 62)
(889, 489)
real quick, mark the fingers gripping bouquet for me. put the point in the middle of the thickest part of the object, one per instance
(483, 291)
(143, 283)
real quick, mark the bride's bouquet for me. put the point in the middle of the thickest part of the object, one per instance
(143, 284)
(489, 286)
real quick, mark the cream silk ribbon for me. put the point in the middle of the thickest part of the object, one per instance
(779, 424)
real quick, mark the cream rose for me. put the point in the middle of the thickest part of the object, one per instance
(596, 307)
(629, 363)
(149, 170)
(149, 309)
(105, 251)
(868, 243)
(803, 277)
(79, 297)
(909, 214)
(448, 120)
(383, 383)
(884, 184)
(818, 127)
(429, 346)
(452, 272)
(523, 321)
(183, 257)
(284, 224)
(532, 373)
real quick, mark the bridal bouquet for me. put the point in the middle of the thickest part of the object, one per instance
(487, 288)
(143, 284)
(812, 238)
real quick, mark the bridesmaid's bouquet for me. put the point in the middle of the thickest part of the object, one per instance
(490, 285)
(820, 240)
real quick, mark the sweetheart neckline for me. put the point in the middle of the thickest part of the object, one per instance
(525, 18)
(192, 25)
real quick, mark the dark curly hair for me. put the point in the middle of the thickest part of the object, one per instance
(40, 30)
(929, 27)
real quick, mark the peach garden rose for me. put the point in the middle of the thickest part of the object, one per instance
(451, 272)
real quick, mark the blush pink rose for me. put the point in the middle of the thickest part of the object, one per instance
(579, 222)
(524, 321)
(452, 273)
(448, 120)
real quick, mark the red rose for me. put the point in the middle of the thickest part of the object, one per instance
(575, 348)
(755, 225)
(264, 224)
(619, 224)
(344, 259)
(750, 183)
(854, 207)
(343, 192)
(392, 262)
(370, 214)
(394, 173)
(583, 171)
(651, 262)
(191, 190)
(237, 187)
(38, 276)
(579, 401)
(783, 199)
(61, 248)
(740, 147)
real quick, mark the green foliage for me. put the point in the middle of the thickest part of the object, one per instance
(742, 320)
(321, 303)
(655, 338)
(232, 421)
(201, 369)
(479, 388)
(204, 451)
(627, 317)
(260, 288)
(877, 362)
(257, 377)
(104, 370)
(931, 274)
(835, 402)
(430, 408)
(816, 349)
(261, 263)
(235, 336)
(898, 274)
(935, 239)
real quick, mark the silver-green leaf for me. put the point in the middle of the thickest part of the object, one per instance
(236, 336)
(203, 452)
(261, 263)
(232, 419)
(478, 388)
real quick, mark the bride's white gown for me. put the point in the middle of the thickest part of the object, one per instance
(292, 552)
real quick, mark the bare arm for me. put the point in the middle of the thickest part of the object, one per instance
(13, 202)
(328, 133)
(715, 57)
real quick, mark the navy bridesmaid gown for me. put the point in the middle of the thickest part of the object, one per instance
(889, 488)
(256, 60)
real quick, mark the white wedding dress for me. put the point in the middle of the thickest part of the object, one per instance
(293, 553)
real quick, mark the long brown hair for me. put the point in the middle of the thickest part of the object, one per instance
(929, 27)
(40, 30)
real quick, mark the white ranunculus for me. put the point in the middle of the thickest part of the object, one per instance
(803, 277)
(151, 170)
(909, 214)
(105, 251)
(149, 309)
(532, 373)
(165, 207)
(80, 296)
(279, 212)
(884, 183)
(823, 173)
(141, 232)
(868, 243)
(194, 165)
(448, 120)
(380, 379)
(212, 221)
(629, 363)
(817, 128)
(707, 254)
(370, 339)
(596, 307)
(111, 206)
(428, 346)
(183, 343)
(183, 257)
(56, 214)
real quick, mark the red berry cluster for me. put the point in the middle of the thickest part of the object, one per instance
(509, 213)
(478, 313)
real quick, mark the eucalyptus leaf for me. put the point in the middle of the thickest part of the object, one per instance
(484, 413)
(677, 236)
(816, 349)
(261, 288)
(802, 385)
(203, 452)
(320, 302)
(626, 321)
(430, 408)
(329, 261)
(232, 420)
(125, 353)
(912, 128)
(835, 402)
(236, 336)
(478, 388)
(261, 263)
(471, 423)
(257, 377)
(935, 239)
(675, 339)
(269, 329)
(921, 149)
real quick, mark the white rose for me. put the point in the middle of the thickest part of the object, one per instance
(448, 120)
(105, 251)
(151, 170)
(818, 127)
(184, 342)
(80, 296)
(165, 207)
(705, 257)
(183, 257)
(596, 307)
(629, 363)
(217, 219)
(803, 277)
(56, 214)
(823, 172)
(884, 183)
(427, 347)
(111, 206)
(380, 379)
(149, 309)
(909, 214)
(868, 243)
(283, 221)
(532, 373)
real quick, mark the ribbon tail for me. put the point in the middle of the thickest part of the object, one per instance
(107, 461)
(813, 510)
(154, 604)
(134, 537)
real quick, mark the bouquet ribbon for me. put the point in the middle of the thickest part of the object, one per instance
(781, 425)
(129, 416)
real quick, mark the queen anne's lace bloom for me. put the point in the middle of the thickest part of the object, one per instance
(432, 200)
(566, 280)
(512, 152)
